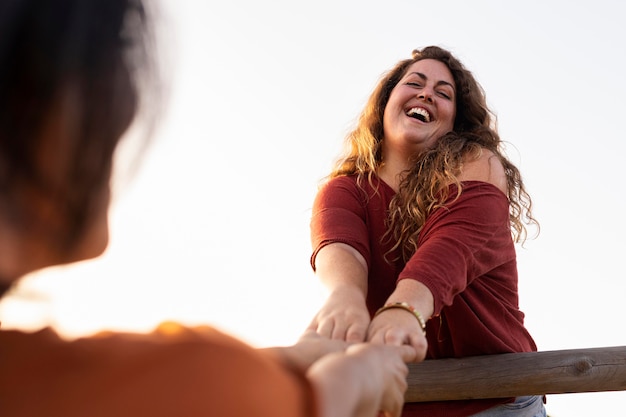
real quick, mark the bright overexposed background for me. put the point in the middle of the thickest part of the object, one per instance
(214, 227)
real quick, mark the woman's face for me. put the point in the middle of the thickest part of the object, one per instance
(93, 239)
(421, 108)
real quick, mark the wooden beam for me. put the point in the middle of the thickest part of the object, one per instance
(516, 374)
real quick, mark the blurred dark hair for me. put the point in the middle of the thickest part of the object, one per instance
(47, 46)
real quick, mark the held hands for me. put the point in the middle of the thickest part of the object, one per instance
(351, 380)
(309, 348)
(344, 316)
(366, 380)
(377, 371)
(397, 327)
(386, 377)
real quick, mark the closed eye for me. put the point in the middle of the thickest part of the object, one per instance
(441, 93)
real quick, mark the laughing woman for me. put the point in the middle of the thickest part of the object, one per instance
(413, 232)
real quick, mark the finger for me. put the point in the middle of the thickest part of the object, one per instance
(395, 337)
(409, 353)
(325, 328)
(393, 402)
(420, 344)
(312, 325)
(356, 333)
(339, 333)
(375, 337)
(387, 336)
(401, 387)
(309, 333)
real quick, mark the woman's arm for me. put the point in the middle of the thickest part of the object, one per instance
(398, 326)
(309, 348)
(343, 271)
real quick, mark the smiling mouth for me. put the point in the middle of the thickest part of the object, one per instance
(419, 113)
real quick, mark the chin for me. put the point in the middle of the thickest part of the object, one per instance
(98, 245)
(95, 238)
(92, 244)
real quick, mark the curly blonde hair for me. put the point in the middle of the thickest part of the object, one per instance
(424, 187)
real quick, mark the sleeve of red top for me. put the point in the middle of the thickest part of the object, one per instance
(463, 240)
(339, 216)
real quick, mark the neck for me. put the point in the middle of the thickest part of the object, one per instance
(395, 162)
(391, 171)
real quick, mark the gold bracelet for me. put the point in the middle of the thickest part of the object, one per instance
(407, 307)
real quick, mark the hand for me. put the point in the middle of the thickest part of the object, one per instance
(386, 378)
(343, 316)
(398, 327)
(311, 346)
(308, 349)
(362, 381)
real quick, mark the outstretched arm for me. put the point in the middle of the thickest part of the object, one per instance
(343, 271)
(398, 326)
(310, 347)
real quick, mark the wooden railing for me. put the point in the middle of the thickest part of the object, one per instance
(517, 374)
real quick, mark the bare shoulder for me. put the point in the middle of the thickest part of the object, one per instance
(487, 167)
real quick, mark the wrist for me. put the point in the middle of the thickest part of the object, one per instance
(408, 308)
(415, 294)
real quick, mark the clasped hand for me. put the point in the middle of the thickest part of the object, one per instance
(354, 379)
(393, 338)
(344, 316)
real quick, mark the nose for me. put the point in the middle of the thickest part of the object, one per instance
(425, 95)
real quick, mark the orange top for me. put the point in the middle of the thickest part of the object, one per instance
(174, 371)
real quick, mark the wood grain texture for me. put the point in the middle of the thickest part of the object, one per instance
(516, 374)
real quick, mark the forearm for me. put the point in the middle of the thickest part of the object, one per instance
(344, 314)
(341, 266)
(309, 348)
(288, 356)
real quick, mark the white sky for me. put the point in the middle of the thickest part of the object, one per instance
(214, 228)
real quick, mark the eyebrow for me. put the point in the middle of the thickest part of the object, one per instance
(442, 82)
